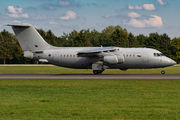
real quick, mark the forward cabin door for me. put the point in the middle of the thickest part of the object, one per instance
(56, 57)
(145, 56)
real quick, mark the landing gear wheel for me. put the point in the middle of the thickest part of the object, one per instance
(97, 72)
(162, 72)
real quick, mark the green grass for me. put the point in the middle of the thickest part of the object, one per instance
(91, 99)
(62, 70)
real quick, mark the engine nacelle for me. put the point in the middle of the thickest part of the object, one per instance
(28, 54)
(114, 59)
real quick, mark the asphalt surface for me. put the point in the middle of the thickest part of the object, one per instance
(90, 77)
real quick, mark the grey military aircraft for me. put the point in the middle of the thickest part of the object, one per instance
(96, 58)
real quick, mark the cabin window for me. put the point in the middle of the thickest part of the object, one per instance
(112, 50)
(130, 55)
(70, 55)
(64, 55)
(127, 55)
(138, 55)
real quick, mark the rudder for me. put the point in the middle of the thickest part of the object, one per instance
(29, 38)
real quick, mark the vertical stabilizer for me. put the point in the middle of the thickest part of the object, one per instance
(29, 38)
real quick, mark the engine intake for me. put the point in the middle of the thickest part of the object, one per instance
(114, 59)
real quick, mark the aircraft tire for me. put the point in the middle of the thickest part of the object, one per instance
(97, 72)
(162, 72)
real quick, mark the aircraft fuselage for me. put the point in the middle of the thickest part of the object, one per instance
(134, 58)
(96, 58)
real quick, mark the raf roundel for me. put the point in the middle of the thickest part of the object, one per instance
(49, 55)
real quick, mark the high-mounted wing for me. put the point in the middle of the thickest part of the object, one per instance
(96, 52)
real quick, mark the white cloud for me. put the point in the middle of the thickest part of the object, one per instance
(16, 22)
(162, 2)
(17, 15)
(107, 16)
(51, 8)
(130, 7)
(41, 17)
(154, 21)
(16, 12)
(64, 3)
(145, 7)
(133, 15)
(135, 8)
(53, 23)
(149, 7)
(69, 15)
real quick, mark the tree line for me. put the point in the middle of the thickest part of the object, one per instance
(11, 52)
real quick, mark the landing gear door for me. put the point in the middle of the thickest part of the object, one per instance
(145, 56)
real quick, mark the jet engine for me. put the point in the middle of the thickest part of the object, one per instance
(114, 59)
(28, 54)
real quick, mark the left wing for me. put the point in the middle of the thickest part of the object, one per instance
(96, 52)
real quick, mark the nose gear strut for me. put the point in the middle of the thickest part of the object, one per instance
(163, 71)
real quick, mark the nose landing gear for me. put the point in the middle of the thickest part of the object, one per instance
(163, 71)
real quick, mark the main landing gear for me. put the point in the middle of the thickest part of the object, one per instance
(163, 71)
(97, 71)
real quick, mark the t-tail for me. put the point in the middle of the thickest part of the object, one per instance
(29, 39)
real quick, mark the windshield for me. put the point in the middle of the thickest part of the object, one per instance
(158, 54)
(162, 54)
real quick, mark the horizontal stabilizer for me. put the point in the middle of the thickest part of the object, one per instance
(19, 25)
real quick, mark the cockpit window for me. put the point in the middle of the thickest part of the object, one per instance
(158, 54)
(162, 54)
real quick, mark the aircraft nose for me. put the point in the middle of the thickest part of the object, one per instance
(167, 62)
(173, 62)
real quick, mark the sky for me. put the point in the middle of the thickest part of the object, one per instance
(137, 16)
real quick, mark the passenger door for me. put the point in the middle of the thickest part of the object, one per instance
(145, 56)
